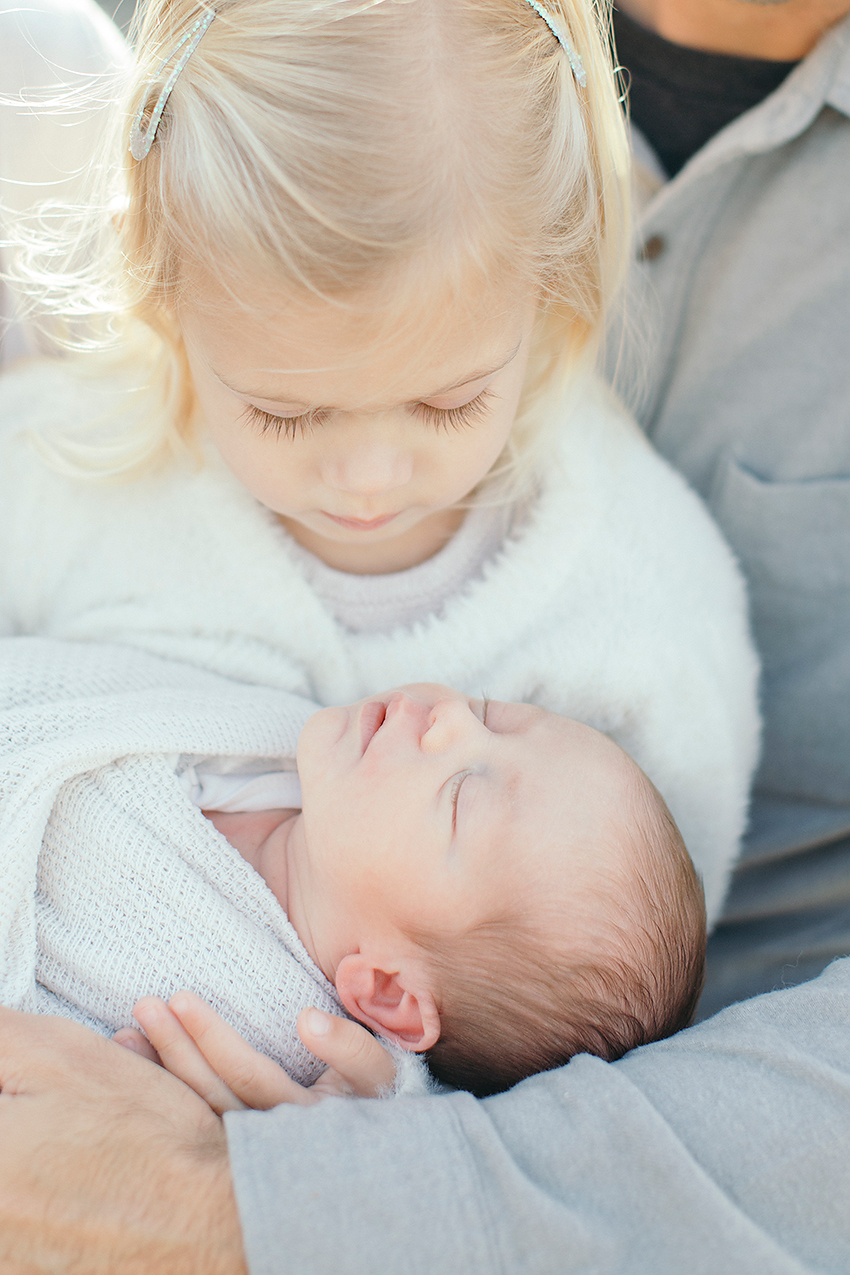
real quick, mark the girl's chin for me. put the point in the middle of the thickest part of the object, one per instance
(413, 536)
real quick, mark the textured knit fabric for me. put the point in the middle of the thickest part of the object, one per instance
(114, 885)
(616, 602)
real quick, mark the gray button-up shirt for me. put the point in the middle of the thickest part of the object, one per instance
(740, 374)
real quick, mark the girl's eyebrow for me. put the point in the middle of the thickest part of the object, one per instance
(476, 376)
(456, 385)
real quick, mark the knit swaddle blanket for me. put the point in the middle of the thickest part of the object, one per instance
(114, 885)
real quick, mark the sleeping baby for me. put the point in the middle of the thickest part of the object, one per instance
(492, 883)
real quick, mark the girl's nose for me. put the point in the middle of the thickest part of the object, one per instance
(368, 471)
(450, 722)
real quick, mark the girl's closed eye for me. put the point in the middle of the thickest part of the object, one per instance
(440, 417)
(455, 417)
(289, 426)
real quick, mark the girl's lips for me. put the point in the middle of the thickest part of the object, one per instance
(360, 524)
(371, 720)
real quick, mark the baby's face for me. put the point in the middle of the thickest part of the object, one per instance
(427, 810)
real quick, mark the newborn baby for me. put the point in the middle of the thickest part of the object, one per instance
(490, 882)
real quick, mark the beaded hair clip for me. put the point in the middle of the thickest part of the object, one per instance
(576, 64)
(142, 139)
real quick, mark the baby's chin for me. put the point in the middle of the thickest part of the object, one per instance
(320, 734)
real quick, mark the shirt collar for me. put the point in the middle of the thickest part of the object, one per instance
(821, 79)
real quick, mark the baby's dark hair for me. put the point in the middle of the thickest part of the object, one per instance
(517, 997)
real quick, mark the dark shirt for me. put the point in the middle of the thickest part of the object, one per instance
(681, 97)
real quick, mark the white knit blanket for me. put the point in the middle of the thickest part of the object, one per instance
(114, 885)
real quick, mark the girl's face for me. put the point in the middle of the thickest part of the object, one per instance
(362, 449)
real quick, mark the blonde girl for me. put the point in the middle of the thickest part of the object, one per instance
(398, 169)
(353, 266)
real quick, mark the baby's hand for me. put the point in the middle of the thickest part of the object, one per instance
(194, 1043)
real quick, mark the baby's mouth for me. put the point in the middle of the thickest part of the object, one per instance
(372, 717)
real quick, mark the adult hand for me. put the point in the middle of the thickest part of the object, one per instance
(194, 1043)
(106, 1163)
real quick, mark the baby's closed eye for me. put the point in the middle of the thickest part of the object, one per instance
(457, 784)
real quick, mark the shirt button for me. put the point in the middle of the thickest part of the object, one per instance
(653, 248)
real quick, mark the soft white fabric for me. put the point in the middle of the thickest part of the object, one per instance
(114, 885)
(615, 602)
(236, 785)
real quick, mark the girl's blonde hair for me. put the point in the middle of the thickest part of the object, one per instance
(403, 149)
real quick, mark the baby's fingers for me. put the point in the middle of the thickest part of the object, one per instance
(359, 1063)
(181, 1056)
(252, 1077)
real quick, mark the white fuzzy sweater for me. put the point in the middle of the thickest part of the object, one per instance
(616, 602)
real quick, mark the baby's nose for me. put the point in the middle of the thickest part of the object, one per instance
(449, 721)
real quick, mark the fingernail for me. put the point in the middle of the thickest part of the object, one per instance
(318, 1023)
(130, 1044)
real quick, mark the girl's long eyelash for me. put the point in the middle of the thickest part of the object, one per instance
(289, 426)
(296, 426)
(455, 417)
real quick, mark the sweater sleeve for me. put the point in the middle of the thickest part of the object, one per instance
(722, 1149)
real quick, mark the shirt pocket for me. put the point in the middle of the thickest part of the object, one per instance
(793, 542)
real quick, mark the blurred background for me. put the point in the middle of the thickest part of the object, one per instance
(121, 13)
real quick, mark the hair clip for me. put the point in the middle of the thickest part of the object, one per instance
(576, 64)
(141, 140)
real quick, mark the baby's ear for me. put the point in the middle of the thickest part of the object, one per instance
(397, 1003)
